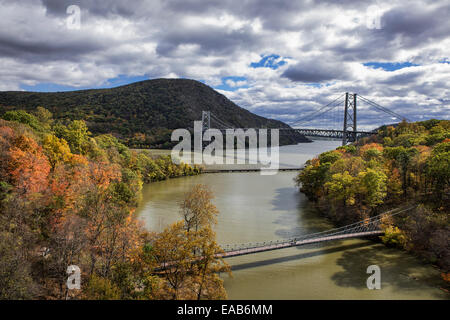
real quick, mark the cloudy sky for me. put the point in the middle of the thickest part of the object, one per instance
(279, 59)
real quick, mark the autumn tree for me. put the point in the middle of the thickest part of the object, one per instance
(66, 245)
(205, 279)
(57, 150)
(24, 117)
(311, 180)
(187, 251)
(197, 209)
(200, 215)
(16, 281)
(29, 167)
(372, 185)
(403, 157)
(439, 170)
(76, 134)
(99, 288)
(174, 253)
(341, 188)
(45, 117)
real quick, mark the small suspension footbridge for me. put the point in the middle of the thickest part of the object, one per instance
(364, 228)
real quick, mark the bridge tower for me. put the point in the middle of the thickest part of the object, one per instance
(349, 119)
(206, 120)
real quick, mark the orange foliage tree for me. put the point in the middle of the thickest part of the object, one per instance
(28, 166)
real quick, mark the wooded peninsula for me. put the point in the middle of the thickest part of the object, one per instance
(404, 164)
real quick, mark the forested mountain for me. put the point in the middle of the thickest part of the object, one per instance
(141, 114)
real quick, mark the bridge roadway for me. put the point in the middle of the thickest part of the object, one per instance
(249, 170)
(310, 132)
(363, 228)
(291, 243)
(277, 246)
(329, 133)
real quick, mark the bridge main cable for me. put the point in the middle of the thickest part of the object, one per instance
(221, 122)
(318, 112)
(384, 109)
(368, 226)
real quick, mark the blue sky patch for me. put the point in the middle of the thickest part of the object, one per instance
(110, 83)
(314, 84)
(390, 66)
(122, 80)
(271, 61)
(49, 87)
(232, 83)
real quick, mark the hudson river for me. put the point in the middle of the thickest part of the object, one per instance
(257, 208)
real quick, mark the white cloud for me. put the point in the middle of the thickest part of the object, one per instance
(322, 42)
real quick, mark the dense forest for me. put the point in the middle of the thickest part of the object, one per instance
(68, 198)
(405, 164)
(142, 114)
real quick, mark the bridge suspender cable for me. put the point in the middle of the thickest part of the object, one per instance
(349, 133)
(318, 112)
(384, 109)
(221, 122)
(321, 111)
(366, 227)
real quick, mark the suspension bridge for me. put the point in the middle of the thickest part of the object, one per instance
(337, 119)
(364, 228)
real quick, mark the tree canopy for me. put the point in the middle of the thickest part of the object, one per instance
(406, 163)
(68, 198)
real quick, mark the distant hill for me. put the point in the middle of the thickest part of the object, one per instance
(142, 114)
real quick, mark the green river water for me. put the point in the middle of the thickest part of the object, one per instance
(257, 208)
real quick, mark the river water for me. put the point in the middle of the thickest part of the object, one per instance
(257, 208)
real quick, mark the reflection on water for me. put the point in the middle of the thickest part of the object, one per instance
(256, 208)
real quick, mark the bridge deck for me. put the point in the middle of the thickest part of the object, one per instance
(249, 170)
(288, 244)
(363, 228)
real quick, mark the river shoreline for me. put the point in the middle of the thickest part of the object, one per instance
(256, 208)
(376, 239)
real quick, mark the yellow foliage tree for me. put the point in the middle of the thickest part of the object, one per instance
(56, 149)
(188, 252)
(197, 209)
